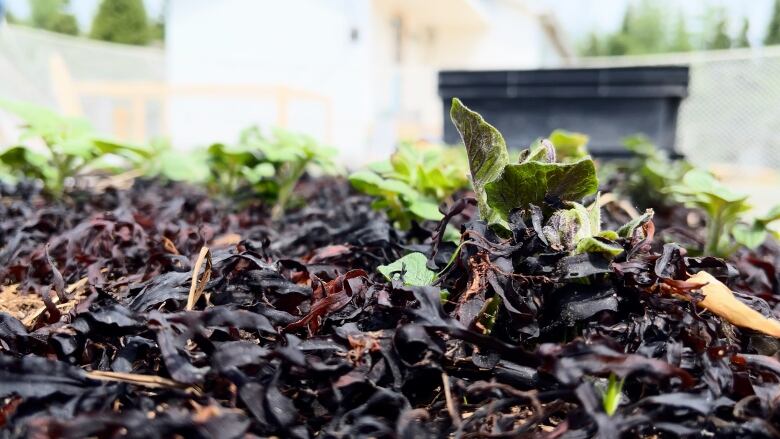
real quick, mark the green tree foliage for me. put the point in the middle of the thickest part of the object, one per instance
(773, 32)
(649, 26)
(157, 30)
(646, 27)
(719, 39)
(592, 46)
(121, 21)
(644, 30)
(681, 39)
(11, 18)
(50, 15)
(65, 24)
(742, 39)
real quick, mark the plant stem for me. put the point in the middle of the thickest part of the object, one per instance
(61, 167)
(714, 232)
(286, 189)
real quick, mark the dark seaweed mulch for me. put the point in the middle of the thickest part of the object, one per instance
(297, 336)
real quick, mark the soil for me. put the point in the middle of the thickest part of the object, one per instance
(111, 325)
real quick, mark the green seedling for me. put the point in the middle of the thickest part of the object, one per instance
(411, 269)
(501, 185)
(724, 209)
(411, 185)
(171, 164)
(650, 173)
(271, 166)
(533, 181)
(489, 314)
(67, 147)
(612, 395)
(570, 146)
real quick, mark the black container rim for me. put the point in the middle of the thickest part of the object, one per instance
(594, 76)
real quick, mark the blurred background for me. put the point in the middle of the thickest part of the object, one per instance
(363, 74)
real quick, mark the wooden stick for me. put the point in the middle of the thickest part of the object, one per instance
(199, 283)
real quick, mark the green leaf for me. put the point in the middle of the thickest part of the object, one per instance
(416, 179)
(608, 234)
(259, 172)
(698, 182)
(403, 161)
(106, 146)
(701, 189)
(22, 160)
(540, 151)
(183, 166)
(567, 227)
(569, 146)
(47, 124)
(487, 155)
(594, 214)
(411, 269)
(382, 168)
(628, 229)
(367, 182)
(487, 317)
(593, 244)
(83, 148)
(612, 395)
(530, 182)
(372, 184)
(751, 236)
(771, 216)
(641, 145)
(426, 209)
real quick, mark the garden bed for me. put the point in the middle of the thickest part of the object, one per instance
(158, 310)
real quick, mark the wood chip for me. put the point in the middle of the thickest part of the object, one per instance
(169, 246)
(199, 282)
(32, 318)
(720, 300)
(226, 240)
(149, 381)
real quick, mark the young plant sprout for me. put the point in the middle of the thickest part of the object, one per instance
(612, 395)
(724, 208)
(69, 147)
(270, 166)
(536, 182)
(411, 185)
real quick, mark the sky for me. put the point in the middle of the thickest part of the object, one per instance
(577, 17)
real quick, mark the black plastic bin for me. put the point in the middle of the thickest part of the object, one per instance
(608, 104)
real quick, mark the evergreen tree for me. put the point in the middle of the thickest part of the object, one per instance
(65, 24)
(642, 30)
(592, 46)
(50, 15)
(719, 39)
(43, 13)
(121, 21)
(647, 27)
(742, 39)
(620, 44)
(11, 18)
(681, 39)
(773, 32)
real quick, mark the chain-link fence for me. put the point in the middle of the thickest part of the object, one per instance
(732, 114)
(45, 68)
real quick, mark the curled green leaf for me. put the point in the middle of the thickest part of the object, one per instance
(410, 269)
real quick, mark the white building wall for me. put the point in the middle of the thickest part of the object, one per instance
(346, 50)
(304, 44)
